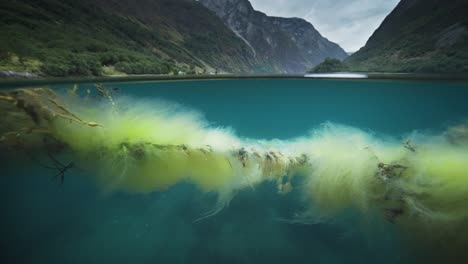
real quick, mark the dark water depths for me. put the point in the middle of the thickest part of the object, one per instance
(42, 222)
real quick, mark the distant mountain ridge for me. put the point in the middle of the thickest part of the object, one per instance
(418, 36)
(289, 45)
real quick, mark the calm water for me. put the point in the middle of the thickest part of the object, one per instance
(42, 222)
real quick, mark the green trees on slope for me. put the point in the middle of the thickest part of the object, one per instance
(330, 65)
(95, 37)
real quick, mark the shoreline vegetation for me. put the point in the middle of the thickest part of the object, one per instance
(97, 39)
(38, 80)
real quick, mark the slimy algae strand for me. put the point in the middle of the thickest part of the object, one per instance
(143, 150)
(139, 146)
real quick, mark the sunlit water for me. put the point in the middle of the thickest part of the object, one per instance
(341, 75)
(45, 222)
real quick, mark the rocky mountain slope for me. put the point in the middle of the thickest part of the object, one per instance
(92, 37)
(95, 37)
(418, 36)
(288, 45)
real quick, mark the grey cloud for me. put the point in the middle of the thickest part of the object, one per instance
(347, 22)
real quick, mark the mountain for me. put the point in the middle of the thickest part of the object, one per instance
(92, 37)
(95, 37)
(288, 45)
(418, 36)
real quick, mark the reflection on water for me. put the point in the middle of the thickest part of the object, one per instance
(341, 75)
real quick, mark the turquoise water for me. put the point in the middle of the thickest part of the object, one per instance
(290, 108)
(44, 222)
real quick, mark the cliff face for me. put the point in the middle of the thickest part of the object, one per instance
(418, 36)
(288, 45)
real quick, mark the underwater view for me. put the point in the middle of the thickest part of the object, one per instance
(233, 131)
(235, 171)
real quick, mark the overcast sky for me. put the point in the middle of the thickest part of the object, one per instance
(347, 22)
